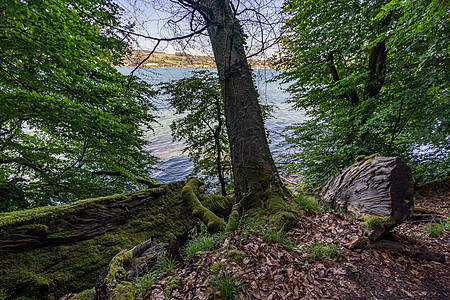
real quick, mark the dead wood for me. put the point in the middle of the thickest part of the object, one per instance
(373, 186)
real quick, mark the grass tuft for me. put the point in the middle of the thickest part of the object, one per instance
(226, 285)
(307, 202)
(200, 244)
(144, 283)
(319, 250)
(435, 229)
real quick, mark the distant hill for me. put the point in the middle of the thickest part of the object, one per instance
(181, 60)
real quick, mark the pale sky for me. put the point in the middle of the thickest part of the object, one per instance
(156, 18)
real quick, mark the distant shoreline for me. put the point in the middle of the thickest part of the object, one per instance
(181, 60)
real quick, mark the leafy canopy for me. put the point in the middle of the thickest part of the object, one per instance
(202, 126)
(69, 121)
(373, 77)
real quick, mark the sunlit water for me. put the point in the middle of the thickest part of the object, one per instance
(175, 164)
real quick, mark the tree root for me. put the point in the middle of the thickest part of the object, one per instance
(415, 251)
(212, 221)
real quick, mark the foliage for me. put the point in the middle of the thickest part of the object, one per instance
(435, 229)
(199, 101)
(201, 243)
(226, 285)
(166, 263)
(272, 235)
(319, 250)
(372, 78)
(69, 121)
(145, 282)
(307, 202)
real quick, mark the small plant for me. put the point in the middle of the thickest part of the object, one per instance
(319, 250)
(277, 236)
(435, 229)
(145, 282)
(226, 285)
(166, 263)
(272, 235)
(201, 243)
(307, 202)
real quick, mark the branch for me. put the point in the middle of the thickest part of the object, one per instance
(121, 174)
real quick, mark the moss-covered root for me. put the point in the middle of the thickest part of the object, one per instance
(113, 284)
(233, 220)
(212, 221)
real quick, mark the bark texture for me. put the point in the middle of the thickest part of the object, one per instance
(373, 186)
(49, 251)
(250, 154)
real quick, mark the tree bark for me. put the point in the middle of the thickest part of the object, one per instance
(373, 186)
(250, 155)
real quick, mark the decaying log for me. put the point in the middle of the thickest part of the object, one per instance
(113, 283)
(48, 252)
(373, 186)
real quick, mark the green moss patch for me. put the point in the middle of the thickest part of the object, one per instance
(374, 222)
(235, 256)
(51, 272)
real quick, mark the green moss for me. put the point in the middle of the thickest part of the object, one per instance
(172, 284)
(84, 295)
(368, 159)
(284, 219)
(212, 221)
(123, 291)
(217, 204)
(49, 212)
(422, 210)
(233, 222)
(374, 222)
(117, 268)
(217, 266)
(235, 256)
(50, 272)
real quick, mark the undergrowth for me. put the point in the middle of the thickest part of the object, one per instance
(435, 229)
(307, 202)
(226, 285)
(201, 244)
(318, 250)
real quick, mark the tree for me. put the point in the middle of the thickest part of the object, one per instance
(372, 77)
(71, 126)
(199, 100)
(256, 178)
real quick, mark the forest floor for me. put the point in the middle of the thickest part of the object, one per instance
(311, 261)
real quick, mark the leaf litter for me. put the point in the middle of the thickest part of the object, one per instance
(273, 271)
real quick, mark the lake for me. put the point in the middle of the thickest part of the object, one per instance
(175, 164)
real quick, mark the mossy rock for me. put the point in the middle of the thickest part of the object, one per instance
(69, 246)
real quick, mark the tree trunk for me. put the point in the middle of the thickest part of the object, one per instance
(373, 186)
(253, 167)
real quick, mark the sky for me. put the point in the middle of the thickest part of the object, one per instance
(156, 18)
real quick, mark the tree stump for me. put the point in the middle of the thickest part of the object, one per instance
(378, 188)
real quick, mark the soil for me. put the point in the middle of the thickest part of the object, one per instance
(274, 271)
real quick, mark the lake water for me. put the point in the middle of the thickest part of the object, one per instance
(175, 164)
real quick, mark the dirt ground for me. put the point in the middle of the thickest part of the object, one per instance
(273, 271)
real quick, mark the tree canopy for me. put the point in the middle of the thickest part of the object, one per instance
(202, 125)
(71, 125)
(373, 77)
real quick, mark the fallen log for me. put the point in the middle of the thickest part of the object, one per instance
(48, 252)
(378, 188)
